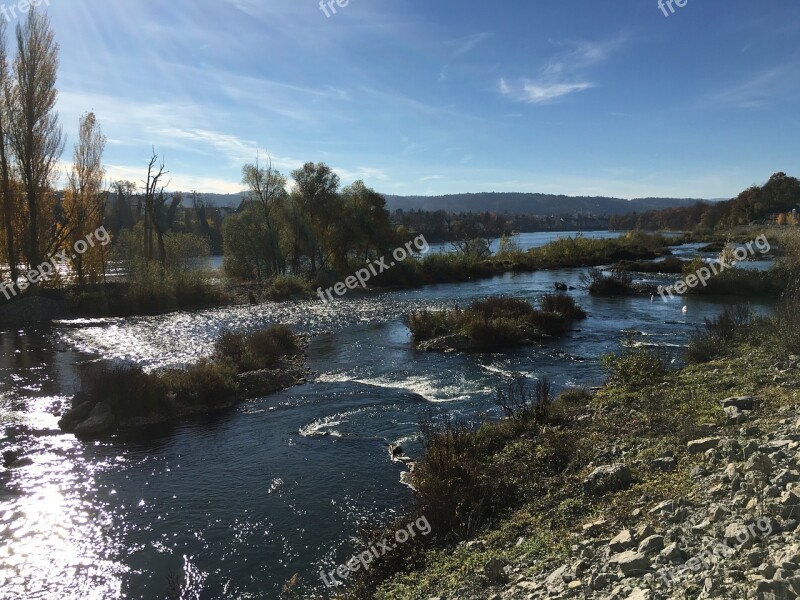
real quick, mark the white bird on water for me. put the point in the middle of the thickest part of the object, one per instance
(685, 309)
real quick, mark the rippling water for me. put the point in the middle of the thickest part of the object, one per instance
(236, 504)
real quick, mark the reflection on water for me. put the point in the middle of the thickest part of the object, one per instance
(235, 504)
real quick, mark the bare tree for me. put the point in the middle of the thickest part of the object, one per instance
(154, 199)
(35, 133)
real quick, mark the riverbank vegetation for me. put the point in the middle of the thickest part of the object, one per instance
(670, 265)
(601, 283)
(586, 252)
(494, 323)
(518, 491)
(243, 365)
(743, 283)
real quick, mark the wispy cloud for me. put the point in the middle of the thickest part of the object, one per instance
(459, 48)
(760, 90)
(580, 55)
(541, 93)
(466, 45)
(367, 174)
(561, 75)
(235, 150)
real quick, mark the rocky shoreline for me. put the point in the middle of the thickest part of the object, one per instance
(735, 535)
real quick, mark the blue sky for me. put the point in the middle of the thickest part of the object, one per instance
(433, 97)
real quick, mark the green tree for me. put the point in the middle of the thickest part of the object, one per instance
(316, 195)
(246, 245)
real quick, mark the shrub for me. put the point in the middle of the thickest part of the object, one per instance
(495, 307)
(288, 287)
(454, 487)
(128, 390)
(264, 349)
(427, 325)
(615, 284)
(204, 383)
(509, 245)
(549, 323)
(702, 348)
(256, 351)
(746, 283)
(193, 290)
(574, 397)
(636, 366)
(787, 319)
(91, 302)
(519, 401)
(491, 334)
(562, 304)
(710, 341)
(229, 347)
(692, 267)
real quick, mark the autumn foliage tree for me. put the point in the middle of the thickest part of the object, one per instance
(85, 199)
(35, 133)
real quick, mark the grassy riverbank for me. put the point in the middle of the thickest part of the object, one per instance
(518, 492)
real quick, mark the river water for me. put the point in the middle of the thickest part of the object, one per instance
(237, 503)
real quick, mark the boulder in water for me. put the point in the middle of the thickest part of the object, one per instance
(99, 421)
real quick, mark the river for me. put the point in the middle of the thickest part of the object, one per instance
(238, 503)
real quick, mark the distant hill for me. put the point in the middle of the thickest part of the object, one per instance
(504, 203)
(535, 204)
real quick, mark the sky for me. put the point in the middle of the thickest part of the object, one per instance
(422, 97)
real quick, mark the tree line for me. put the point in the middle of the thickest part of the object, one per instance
(447, 226)
(757, 204)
